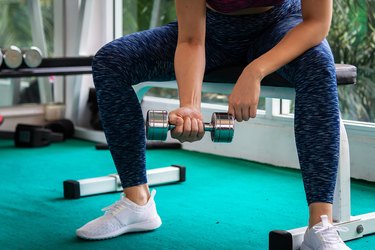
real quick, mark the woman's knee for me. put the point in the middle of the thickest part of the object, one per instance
(113, 62)
(318, 59)
(314, 70)
(106, 57)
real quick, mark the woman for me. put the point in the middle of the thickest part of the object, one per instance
(287, 36)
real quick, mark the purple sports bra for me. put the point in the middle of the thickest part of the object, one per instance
(227, 6)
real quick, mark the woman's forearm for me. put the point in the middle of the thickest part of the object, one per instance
(301, 38)
(189, 68)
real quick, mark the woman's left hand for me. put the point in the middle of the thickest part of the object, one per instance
(243, 101)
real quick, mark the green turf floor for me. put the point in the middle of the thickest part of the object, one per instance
(225, 203)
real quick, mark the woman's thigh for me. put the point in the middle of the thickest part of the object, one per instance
(141, 56)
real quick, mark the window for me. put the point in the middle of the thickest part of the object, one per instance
(352, 38)
(17, 26)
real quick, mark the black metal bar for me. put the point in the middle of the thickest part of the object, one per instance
(51, 66)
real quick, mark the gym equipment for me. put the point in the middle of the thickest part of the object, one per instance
(149, 145)
(52, 66)
(63, 126)
(13, 57)
(221, 126)
(37, 136)
(34, 136)
(33, 57)
(76, 189)
(221, 80)
(27, 136)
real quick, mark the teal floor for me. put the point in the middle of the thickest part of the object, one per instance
(225, 203)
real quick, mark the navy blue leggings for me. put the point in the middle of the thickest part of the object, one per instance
(149, 55)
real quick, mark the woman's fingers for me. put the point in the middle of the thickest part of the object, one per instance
(245, 113)
(187, 129)
(179, 129)
(200, 130)
(238, 113)
(194, 130)
(253, 111)
(188, 124)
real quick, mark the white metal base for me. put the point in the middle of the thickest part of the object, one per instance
(75, 189)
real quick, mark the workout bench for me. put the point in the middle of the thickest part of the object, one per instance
(274, 86)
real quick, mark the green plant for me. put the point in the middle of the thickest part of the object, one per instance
(15, 28)
(352, 39)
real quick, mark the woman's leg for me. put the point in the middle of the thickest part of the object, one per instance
(142, 56)
(146, 55)
(316, 115)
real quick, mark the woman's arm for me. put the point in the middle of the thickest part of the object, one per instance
(317, 15)
(189, 64)
(244, 98)
(190, 52)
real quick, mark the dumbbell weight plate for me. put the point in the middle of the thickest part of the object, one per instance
(33, 57)
(13, 57)
(157, 125)
(223, 130)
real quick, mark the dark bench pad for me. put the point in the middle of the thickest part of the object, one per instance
(346, 74)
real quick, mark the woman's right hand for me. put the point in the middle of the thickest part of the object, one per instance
(188, 122)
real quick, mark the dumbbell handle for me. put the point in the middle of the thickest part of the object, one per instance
(207, 127)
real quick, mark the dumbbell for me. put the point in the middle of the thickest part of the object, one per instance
(221, 126)
(28, 136)
(33, 57)
(13, 57)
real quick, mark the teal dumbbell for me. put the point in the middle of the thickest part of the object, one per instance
(221, 126)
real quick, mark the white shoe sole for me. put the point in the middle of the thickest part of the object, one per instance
(137, 227)
(304, 247)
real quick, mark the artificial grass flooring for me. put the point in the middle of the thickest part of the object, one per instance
(225, 203)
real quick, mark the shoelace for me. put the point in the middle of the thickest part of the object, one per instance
(330, 234)
(112, 209)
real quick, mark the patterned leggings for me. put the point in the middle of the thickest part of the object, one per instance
(149, 55)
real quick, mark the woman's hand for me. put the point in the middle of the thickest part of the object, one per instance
(188, 122)
(243, 101)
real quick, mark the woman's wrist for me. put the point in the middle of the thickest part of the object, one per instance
(194, 101)
(196, 106)
(255, 69)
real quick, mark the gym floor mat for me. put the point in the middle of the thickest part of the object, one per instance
(225, 203)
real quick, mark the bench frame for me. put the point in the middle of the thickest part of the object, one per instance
(359, 226)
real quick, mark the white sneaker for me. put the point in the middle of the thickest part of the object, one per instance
(324, 236)
(124, 216)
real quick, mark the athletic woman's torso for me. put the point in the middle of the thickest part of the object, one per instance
(242, 7)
